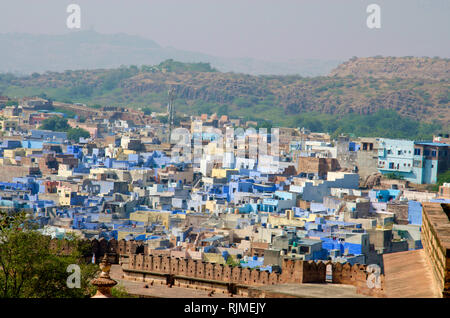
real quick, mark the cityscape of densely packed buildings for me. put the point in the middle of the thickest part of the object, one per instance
(220, 191)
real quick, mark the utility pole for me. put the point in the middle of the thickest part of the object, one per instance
(171, 110)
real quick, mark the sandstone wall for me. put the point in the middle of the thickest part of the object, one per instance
(160, 268)
(194, 273)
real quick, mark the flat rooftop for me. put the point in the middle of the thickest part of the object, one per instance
(409, 275)
(434, 144)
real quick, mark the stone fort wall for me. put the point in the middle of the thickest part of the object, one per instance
(113, 248)
(436, 243)
(192, 273)
(139, 265)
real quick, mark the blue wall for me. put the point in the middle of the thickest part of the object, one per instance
(415, 212)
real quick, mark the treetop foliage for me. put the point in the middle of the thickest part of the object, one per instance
(31, 268)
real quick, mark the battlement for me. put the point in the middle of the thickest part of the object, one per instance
(191, 271)
(292, 271)
(113, 248)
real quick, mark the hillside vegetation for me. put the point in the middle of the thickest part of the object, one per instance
(420, 103)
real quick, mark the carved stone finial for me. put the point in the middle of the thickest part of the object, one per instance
(104, 283)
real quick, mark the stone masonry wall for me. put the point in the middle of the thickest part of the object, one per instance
(189, 272)
(436, 243)
(293, 271)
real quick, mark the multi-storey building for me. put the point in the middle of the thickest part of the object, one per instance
(417, 162)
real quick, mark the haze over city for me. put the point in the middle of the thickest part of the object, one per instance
(206, 149)
(265, 29)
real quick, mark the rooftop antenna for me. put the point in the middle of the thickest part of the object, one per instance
(171, 109)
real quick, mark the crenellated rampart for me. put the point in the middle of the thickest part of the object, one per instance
(163, 269)
(139, 265)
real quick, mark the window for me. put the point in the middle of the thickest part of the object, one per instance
(399, 152)
(426, 152)
(304, 249)
(391, 165)
(417, 152)
(389, 151)
(433, 153)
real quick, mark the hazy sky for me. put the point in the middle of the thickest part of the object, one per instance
(267, 29)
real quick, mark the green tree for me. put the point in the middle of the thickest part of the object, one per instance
(55, 123)
(74, 134)
(31, 268)
(443, 177)
(231, 261)
(174, 66)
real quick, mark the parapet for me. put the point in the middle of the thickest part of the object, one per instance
(293, 271)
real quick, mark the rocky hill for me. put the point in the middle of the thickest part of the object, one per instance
(420, 96)
(395, 67)
(415, 98)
